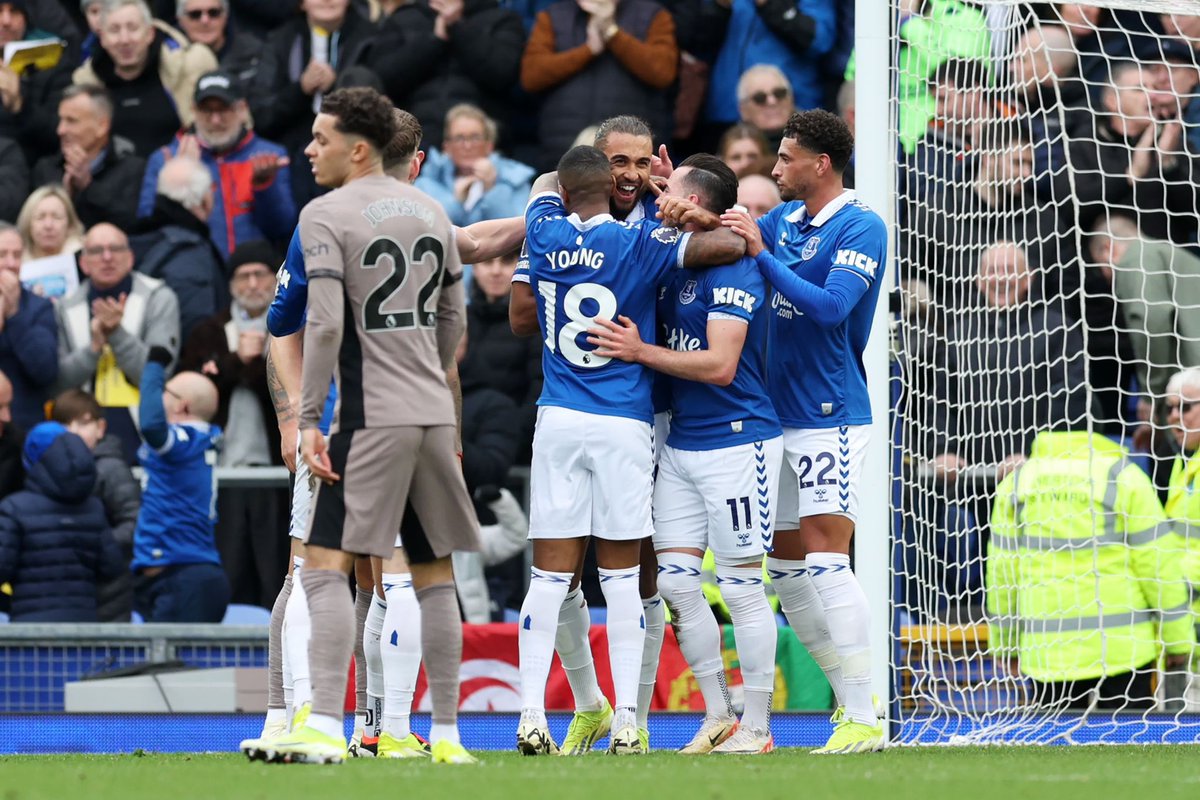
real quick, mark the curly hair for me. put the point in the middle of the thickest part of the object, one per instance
(362, 112)
(819, 131)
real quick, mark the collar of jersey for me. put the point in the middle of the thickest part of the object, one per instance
(580, 225)
(832, 207)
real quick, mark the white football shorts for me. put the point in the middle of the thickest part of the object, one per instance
(302, 492)
(591, 475)
(721, 499)
(662, 429)
(820, 474)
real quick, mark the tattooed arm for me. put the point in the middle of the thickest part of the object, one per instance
(283, 383)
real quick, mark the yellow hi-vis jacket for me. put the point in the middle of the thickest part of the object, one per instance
(1183, 509)
(1084, 574)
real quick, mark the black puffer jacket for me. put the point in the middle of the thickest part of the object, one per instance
(122, 497)
(55, 543)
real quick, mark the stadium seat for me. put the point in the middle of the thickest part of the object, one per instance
(239, 614)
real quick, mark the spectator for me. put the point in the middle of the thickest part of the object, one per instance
(1183, 492)
(594, 59)
(947, 156)
(472, 181)
(301, 61)
(48, 224)
(207, 22)
(1126, 159)
(174, 244)
(55, 544)
(179, 574)
(91, 13)
(229, 347)
(758, 194)
(846, 110)
(494, 356)
(792, 37)
(28, 344)
(27, 100)
(1088, 631)
(12, 439)
(117, 489)
(765, 101)
(107, 326)
(745, 150)
(433, 55)
(96, 167)
(1043, 73)
(253, 198)
(150, 70)
(14, 179)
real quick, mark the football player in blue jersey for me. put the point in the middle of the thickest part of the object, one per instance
(592, 470)
(823, 253)
(718, 474)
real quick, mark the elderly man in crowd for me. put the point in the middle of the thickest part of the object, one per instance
(207, 22)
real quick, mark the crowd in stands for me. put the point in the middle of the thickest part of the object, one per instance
(154, 175)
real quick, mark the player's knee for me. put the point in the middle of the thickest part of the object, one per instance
(440, 570)
(741, 584)
(679, 579)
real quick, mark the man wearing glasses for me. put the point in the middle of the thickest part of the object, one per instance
(107, 326)
(206, 22)
(766, 101)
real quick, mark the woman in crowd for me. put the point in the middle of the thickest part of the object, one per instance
(48, 224)
(744, 148)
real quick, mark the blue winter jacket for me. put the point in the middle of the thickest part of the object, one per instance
(507, 198)
(240, 212)
(748, 41)
(55, 543)
(29, 357)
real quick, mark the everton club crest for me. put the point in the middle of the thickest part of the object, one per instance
(688, 293)
(810, 248)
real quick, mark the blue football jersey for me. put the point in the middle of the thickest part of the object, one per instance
(816, 377)
(704, 416)
(581, 271)
(289, 310)
(179, 508)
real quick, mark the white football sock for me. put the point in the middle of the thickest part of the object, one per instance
(372, 631)
(401, 650)
(536, 633)
(849, 613)
(696, 628)
(801, 604)
(626, 632)
(574, 650)
(654, 612)
(755, 634)
(297, 627)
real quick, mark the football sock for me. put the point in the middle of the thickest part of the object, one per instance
(574, 650)
(801, 604)
(372, 631)
(297, 631)
(536, 634)
(275, 698)
(755, 634)
(441, 645)
(696, 628)
(848, 612)
(332, 640)
(401, 648)
(362, 607)
(655, 616)
(626, 632)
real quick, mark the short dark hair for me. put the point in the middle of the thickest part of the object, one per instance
(405, 142)
(625, 123)
(362, 112)
(75, 404)
(584, 170)
(820, 131)
(712, 181)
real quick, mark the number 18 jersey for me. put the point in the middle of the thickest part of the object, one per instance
(599, 269)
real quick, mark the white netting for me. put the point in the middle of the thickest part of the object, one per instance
(1049, 275)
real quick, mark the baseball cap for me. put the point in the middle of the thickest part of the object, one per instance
(218, 84)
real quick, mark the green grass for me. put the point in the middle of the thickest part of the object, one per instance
(1061, 773)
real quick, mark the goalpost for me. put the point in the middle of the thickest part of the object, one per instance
(1038, 166)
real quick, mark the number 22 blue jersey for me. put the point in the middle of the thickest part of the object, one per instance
(580, 271)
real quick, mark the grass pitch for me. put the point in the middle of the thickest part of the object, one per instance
(1061, 773)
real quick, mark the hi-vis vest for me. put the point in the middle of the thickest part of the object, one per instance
(1084, 573)
(1183, 509)
(110, 385)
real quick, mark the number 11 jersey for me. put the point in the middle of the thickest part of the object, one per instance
(581, 271)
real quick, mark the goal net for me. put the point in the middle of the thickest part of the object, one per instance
(1048, 271)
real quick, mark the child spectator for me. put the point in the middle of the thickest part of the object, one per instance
(180, 578)
(117, 489)
(55, 545)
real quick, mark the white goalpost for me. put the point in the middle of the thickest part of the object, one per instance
(1038, 165)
